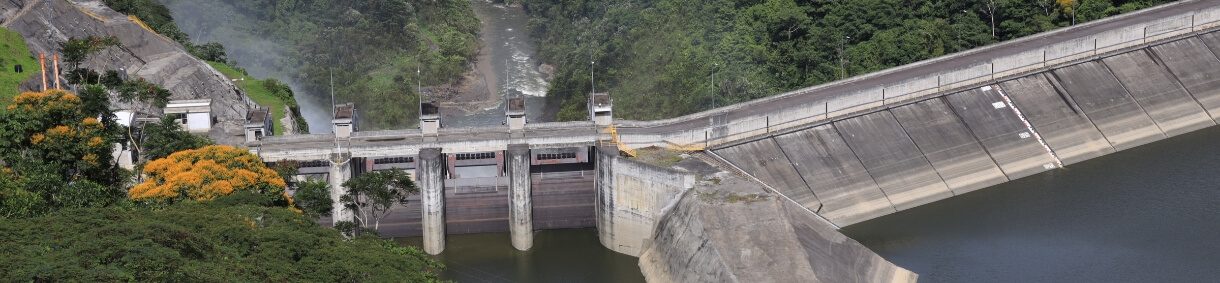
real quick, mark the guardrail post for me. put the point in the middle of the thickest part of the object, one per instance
(769, 117)
(1144, 39)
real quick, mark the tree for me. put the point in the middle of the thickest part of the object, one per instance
(1069, 7)
(159, 140)
(372, 194)
(76, 50)
(143, 90)
(210, 172)
(313, 198)
(211, 51)
(56, 154)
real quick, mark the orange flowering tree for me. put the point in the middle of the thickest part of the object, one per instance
(208, 173)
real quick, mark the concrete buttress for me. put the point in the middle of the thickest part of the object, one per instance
(340, 172)
(520, 217)
(432, 185)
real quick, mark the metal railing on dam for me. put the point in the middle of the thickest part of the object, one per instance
(896, 156)
(937, 76)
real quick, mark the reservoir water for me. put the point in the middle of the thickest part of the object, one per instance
(1148, 214)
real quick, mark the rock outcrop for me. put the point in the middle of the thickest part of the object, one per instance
(732, 230)
(143, 53)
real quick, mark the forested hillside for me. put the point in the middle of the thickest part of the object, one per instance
(373, 47)
(658, 57)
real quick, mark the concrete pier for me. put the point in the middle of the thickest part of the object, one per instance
(520, 217)
(430, 177)
(340, 172)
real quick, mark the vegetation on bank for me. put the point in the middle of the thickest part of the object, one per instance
(658, 57)
(269, 93)
(202, 213)
(372, 48)
(13, 52)
(199, 242)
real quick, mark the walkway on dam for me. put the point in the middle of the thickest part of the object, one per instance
(862, 167)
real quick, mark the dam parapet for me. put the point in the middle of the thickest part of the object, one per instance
(858, 167)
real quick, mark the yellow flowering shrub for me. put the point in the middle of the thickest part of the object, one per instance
(207, 173)
(53, 127)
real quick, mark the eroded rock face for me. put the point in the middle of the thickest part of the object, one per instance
(737, 232)
(143, 53)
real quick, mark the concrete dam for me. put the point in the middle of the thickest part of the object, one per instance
(858, 168)
(832, 155)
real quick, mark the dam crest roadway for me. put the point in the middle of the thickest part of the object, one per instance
(848, 151)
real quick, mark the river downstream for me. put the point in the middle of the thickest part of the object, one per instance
(506, 63)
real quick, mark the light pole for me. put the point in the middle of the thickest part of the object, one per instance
(715, 91)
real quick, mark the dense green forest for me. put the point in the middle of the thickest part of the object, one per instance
(373, 47)
(650, 49)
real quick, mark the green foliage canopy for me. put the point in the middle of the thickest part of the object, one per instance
(658, 57)
(193, 242)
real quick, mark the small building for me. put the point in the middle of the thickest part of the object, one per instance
(194, 115)
(600, 106)
(429, 118)
(345, 120)
(258, 124)
(515, 113)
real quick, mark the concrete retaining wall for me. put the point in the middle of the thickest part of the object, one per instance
(630, 198)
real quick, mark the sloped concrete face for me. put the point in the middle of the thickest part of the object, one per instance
(1062, 125)
(1011, 144)
(1158, 92)
(1107, 104)
(848, 193)
(893, 160)
(1194, 65)
(765, 160)
(702, 238)
(949, 146)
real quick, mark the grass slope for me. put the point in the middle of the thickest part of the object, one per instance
(257, 91)
(13, 52)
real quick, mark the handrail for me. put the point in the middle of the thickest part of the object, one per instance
(843, 106)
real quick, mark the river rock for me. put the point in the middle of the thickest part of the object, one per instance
(143, 53)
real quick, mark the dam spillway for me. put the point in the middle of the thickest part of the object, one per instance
(860, 167)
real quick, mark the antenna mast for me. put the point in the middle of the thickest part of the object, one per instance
(333, 112)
